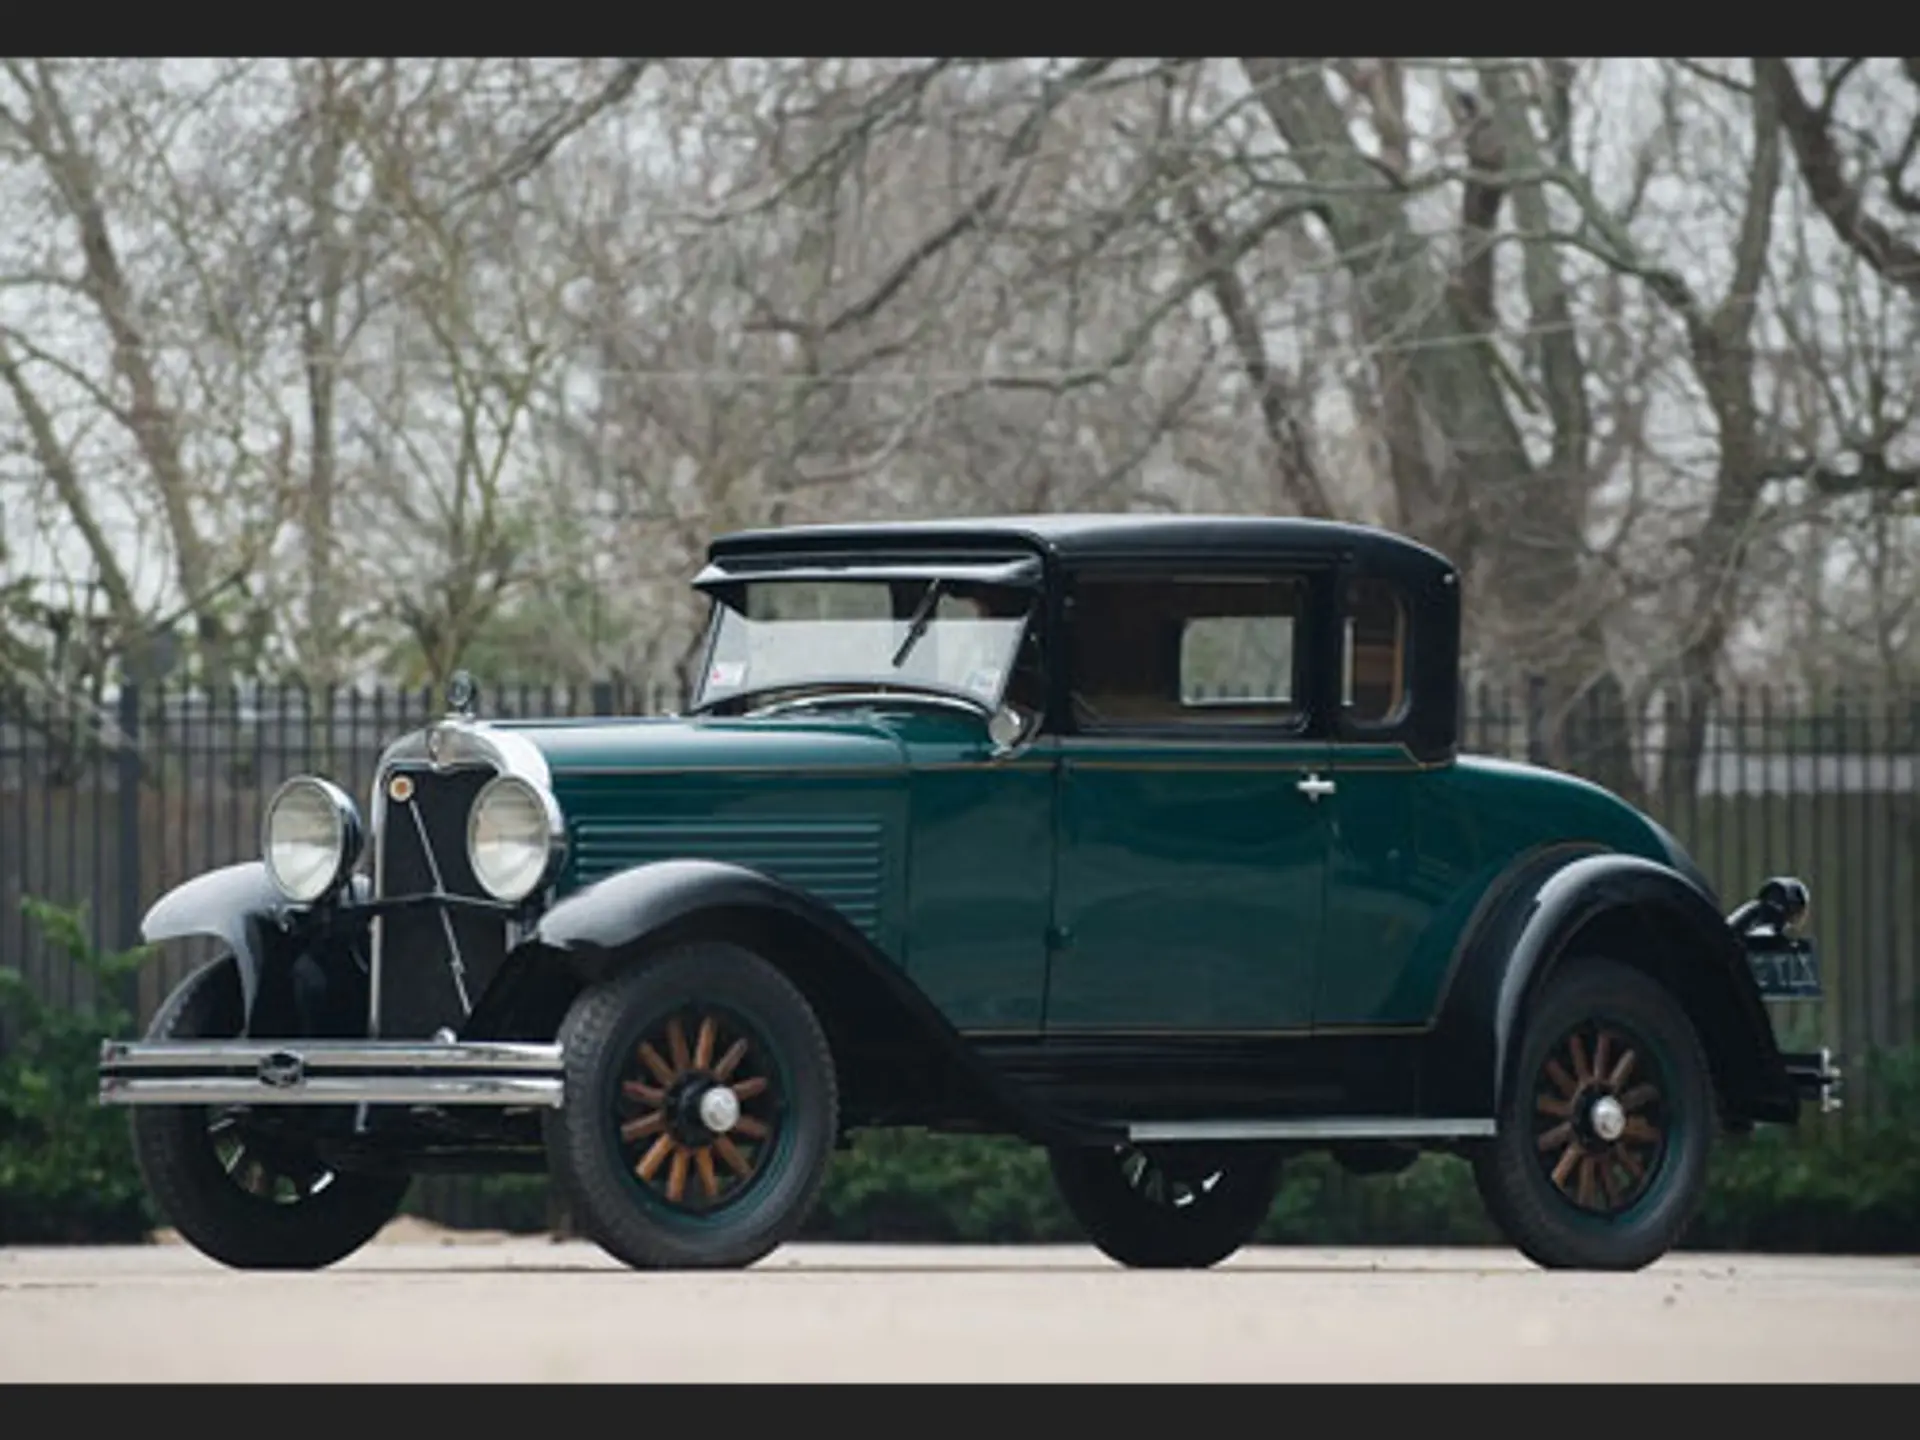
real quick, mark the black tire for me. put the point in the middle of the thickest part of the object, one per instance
(1172, 1209)
(309, 1216)
(1570, 1193)
(644, 1175)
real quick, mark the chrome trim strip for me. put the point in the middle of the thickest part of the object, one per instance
(163, 1055)
(1334, 1128)
(529, 1090)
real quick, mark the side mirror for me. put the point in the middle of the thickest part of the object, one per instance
(1006, 729)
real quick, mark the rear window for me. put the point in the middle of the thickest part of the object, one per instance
(1374, 670)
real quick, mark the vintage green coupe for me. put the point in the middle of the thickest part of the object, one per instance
(1144, 838)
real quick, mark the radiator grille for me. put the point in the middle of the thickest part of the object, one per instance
(417, 995)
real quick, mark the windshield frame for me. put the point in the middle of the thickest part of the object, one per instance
(869, 686)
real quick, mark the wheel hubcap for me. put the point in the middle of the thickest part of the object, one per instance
(1601, 1124)
(719, 1109)
(1607, 1119)
(697, 1120)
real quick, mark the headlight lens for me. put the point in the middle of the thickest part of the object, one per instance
(311, 838)
(513, 837)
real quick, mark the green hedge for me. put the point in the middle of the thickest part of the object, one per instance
(1847, 1183)
(66, 1163)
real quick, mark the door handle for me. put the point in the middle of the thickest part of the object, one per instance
(1313, 787)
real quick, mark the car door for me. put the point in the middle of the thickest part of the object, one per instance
(1190, 841)
(981, 856)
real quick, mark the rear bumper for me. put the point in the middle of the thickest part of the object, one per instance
(329, 1072)
(1815, 1077)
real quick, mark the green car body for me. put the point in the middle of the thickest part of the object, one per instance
(1106, 831)
(1196, 914)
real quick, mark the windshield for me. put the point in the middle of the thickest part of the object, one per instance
(773, 635)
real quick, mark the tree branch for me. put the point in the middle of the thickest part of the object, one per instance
(1269, 389)
(57, 461)
(1872, 474)
(538, 148)
(1021, 145)
(1842, 203)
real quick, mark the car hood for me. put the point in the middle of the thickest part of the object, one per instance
(812, 743)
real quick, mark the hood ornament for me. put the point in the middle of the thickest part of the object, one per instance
(461, 694)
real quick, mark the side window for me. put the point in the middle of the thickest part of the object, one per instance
(1373, 683)
(1200, 653)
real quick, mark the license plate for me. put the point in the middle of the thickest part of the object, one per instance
(1784, 968)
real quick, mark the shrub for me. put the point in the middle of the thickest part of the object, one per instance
(67, 1172)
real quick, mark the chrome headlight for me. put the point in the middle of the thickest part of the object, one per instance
(311, 838)
(515, 838)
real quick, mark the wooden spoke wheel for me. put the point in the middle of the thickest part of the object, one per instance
(1599, 1156)
(1600, 1126)
(698, 1108)
(702, 1109)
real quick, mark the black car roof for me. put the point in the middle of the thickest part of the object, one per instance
(1099, 536)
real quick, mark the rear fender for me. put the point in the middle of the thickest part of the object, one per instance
(1638, 912)
(861, 996)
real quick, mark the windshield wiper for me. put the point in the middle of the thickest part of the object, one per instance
(922, 617)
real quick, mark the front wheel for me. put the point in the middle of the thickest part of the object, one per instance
(235, 1189)
(1600, 1158)
(701, 1110)
(1168, 1209)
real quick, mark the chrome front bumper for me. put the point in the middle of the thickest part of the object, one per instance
(329, 1072)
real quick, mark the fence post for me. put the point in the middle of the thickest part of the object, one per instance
(1536, 720)
(129, 847)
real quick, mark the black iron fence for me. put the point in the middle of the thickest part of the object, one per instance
(110, 804)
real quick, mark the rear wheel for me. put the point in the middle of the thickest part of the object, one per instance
(1601, 1154)
(234, 1188)
(701, 1110)
(1172, 1208)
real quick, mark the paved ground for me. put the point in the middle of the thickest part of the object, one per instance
(417, 1305)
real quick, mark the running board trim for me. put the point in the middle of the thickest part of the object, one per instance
(1322, 1128)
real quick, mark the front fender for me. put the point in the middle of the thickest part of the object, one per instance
(241, 907)
(1678, 937)
(858, 991)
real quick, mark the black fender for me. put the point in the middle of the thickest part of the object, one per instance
(240, 906)
(1643, 913)
(857, 990)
